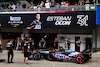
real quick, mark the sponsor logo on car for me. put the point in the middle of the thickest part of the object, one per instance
(61, 56)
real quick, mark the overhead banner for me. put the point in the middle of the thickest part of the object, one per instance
(74, 20)
(66, 20)
(19, 21)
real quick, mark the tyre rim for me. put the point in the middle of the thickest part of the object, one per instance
(35, 56)
(79, 59)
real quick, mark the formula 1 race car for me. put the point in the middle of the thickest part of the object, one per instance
(63, 55)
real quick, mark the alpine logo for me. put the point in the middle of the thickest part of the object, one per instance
(15, 21)
(82, 20)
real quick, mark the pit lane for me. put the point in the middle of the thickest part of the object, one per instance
(19, 61)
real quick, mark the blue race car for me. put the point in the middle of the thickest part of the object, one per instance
(63, 55)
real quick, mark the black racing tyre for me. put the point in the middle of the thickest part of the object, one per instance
(2, 60)
(79, 59)
(36, 56)
(49, 57)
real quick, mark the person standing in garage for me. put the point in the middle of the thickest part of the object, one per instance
(0, 46)
(42, 44)
(9, 47)
(31, 44)
(78, 43)
(22, 44)
(56, 43)
(68, 44)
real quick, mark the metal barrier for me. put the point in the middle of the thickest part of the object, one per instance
(87, 7)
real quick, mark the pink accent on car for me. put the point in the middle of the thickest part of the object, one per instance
(67, 57)
(80, 53)
(54, 55)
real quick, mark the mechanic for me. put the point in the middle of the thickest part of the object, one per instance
(68, 44)
(42, 44)
(9, 47)
(78, 43)
(31, 44)
(26, 51)
(22, 44)
(0, 46)
(56, 43)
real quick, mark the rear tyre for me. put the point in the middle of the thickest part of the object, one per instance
(36, 56)
(79, 59)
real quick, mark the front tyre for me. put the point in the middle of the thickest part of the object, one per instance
(79, 59)
(36, 56)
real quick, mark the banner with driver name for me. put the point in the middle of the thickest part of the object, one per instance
(49, 20)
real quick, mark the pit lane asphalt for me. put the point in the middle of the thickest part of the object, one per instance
(19, 61)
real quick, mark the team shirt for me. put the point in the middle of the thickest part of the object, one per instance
(31, 43)
(78, 42)
(9, 46)
(26, 47)
(42, 42)
(22, 42)
(56, 43)
(36, 22)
